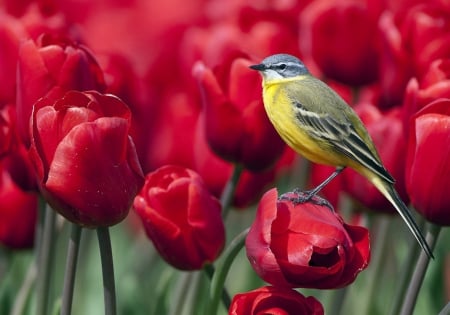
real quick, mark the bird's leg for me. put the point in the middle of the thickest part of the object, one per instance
(298, 197)
(310, 195)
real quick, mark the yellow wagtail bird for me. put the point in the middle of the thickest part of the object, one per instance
(319, 125)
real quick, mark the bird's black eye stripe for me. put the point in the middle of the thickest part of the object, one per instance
(279, 66)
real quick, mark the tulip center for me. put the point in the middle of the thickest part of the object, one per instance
(321, 259)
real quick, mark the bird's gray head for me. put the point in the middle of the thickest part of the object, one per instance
(280, 66)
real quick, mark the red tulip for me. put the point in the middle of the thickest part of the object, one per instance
(305, 245)
(181, 217)
(274, 300)
(341, 39)
(411, 39)
(237, 128)
(425, 33)
(18, 212)
(53, 62)
(85, 160)
(395, 62)
(434, 84)
(428, 168)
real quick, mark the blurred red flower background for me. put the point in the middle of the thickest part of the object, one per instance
(98, 96)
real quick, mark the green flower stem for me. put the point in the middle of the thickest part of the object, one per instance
(5, 261)
(45, 261)
(445, 310)
(337, 299)
(218, 280)
(162, 290)
(22, 296)
(409, 301)
(193, 294)
(228, 192)
(180, 294)
(109, 289)
(226, 299)
(380, 225)
(407, 270)
(71, 267)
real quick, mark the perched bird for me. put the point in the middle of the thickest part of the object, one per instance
(319, 125)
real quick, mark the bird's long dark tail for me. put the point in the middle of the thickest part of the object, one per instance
(389, 192)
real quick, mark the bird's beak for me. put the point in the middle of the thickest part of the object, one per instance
(259, 67)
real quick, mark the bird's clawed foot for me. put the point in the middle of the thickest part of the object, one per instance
(298, 196)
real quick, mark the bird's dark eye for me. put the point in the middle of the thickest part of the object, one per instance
(282, 66)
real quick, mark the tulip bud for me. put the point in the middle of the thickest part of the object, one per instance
(274, 300)
(236, 125)
(85, 160)
(305, 245)
(181, 217)
(341, 38)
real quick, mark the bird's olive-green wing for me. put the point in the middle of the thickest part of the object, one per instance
(326, 117)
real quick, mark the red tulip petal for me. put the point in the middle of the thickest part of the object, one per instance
(91, 175)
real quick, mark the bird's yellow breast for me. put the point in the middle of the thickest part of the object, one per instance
(280, 110)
